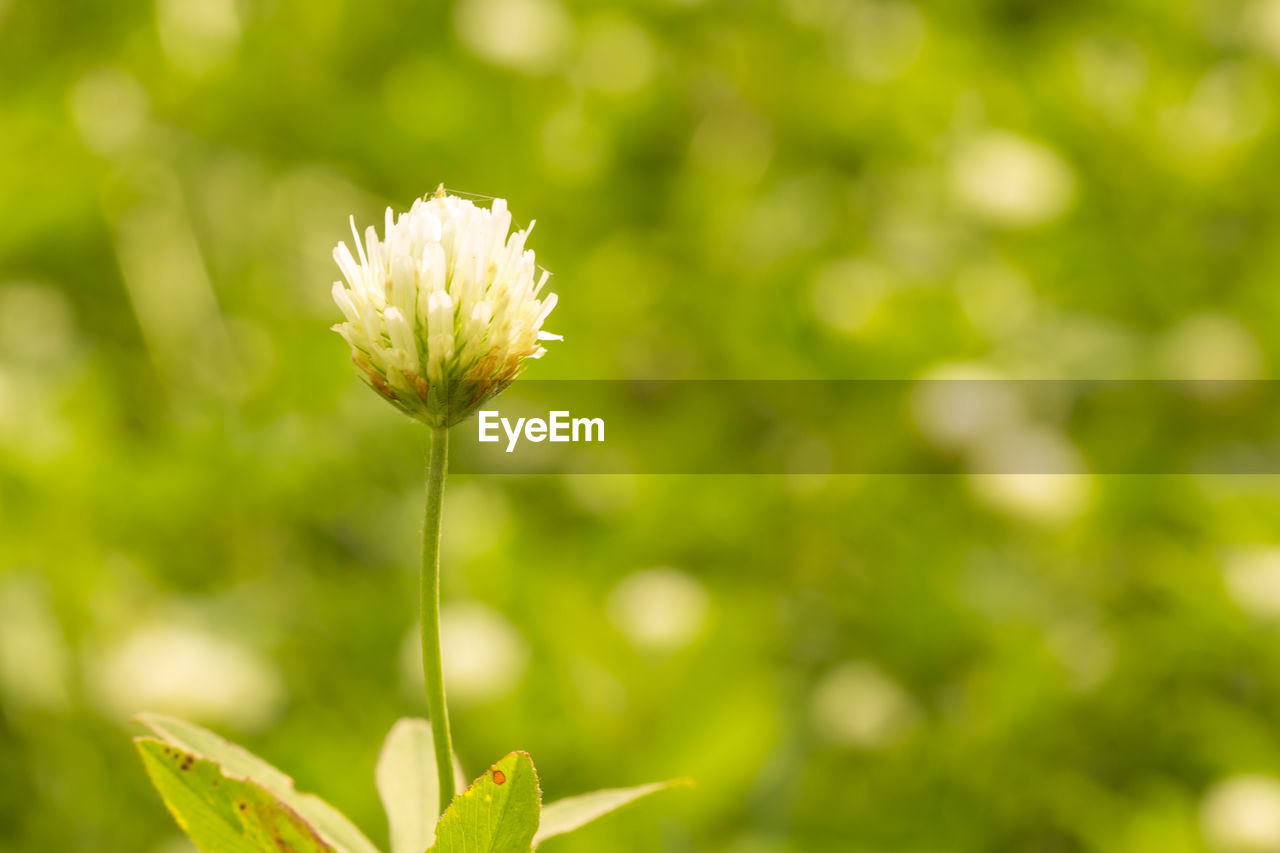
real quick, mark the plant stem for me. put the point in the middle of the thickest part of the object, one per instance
(432, 666)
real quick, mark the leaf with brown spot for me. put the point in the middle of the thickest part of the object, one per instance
(276, 827)
(333, 827)
(222, 813)
(497, 814)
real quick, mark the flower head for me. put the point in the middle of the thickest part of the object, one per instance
(443, 312)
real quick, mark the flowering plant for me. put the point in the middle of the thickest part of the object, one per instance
(442, 313)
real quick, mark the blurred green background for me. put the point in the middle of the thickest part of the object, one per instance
(203, 511)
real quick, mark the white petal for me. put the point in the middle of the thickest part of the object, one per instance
(402, 338)
(403, 285)
(343, 300)
(547, 305)
(364, 260)
(440, 314)
(346, 263)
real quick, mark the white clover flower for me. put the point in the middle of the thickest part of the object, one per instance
(443, 312)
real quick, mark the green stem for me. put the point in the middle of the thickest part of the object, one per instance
(432, 666)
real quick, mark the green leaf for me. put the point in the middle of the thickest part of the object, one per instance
(331, 824)
(497, 814)
(572, 812)
(408, 786)
(223, 814)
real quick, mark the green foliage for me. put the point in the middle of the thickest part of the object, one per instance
(228, 800)
(408, 786)
(722, 189)
(221, 813)
(497, 814)
(328, 821)
(574, 812)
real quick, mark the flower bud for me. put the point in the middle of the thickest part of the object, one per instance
(443, 312)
